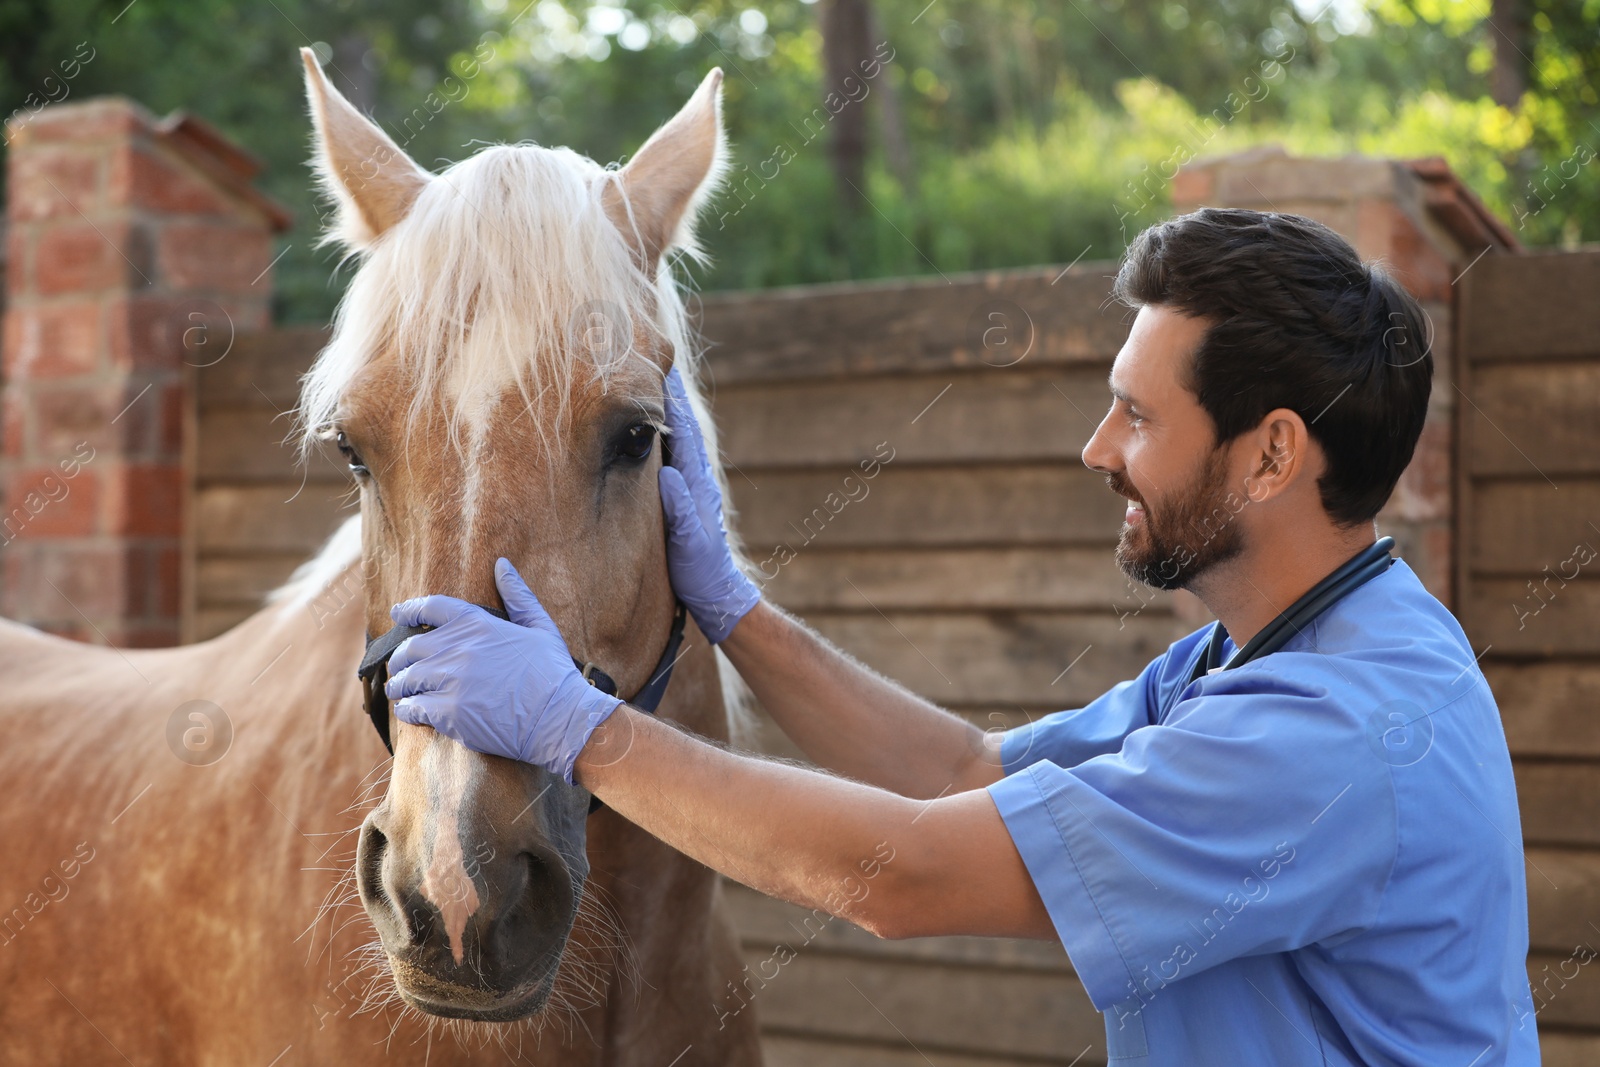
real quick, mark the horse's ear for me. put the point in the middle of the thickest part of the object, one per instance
(653, 200)
(373, 182)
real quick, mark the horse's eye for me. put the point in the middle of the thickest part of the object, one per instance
(636, 441)
(357, 467)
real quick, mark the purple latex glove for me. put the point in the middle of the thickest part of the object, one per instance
(504, 688)
(699, 562)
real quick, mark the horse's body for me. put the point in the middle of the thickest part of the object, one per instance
(180, 909)
(495, 381)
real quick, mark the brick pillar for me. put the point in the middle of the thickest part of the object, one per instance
(1417, 220)
(136, 248)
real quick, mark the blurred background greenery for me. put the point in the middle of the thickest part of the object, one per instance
(998, 132)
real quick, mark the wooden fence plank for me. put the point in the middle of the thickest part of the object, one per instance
(915, 325)
(790, 1050)
(1022, 657)
(1507, 300)
(1563, 898)
(1558, 1049)
(766, 737)
(986, 415)
(242, 581)
(270, 518)
(1534, 420)
(957, 1009)
(1552, 621)
(1560, 802)
(916, 506)
(944, 578)
(1518, 528)
(260, 369)
(1549, 709)
(245, 445)
(1566, 992)
(764, 922)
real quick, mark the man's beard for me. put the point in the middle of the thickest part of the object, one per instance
(1171, 548)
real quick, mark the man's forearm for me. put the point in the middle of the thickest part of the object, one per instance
(851, 720)
(894, 866)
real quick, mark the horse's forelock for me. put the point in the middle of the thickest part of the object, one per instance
(503, 275)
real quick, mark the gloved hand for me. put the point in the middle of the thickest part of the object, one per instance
(504, 688)
(699, 562)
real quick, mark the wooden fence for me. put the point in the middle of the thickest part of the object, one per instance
(976, 566)
(1528, 480)
(977, 569)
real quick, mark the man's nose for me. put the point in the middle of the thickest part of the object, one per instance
(1098, 453)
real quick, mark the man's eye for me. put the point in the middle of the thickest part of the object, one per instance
(636, 441)
(357, 467)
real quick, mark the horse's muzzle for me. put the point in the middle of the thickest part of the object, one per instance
(483, 943)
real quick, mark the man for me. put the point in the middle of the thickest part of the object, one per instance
(1302, 854)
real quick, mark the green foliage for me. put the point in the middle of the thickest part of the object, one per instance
(1035, 130)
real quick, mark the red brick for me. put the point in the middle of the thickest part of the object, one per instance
(14, 570)
(19, 261)
(209, 256)
(50, 183)
(54, 341)
(67, 417)
(1413, 259)
(172, 331)
(75, 258)
(42, 501)
(138, 577)
(172, 402)
(1374, 234)
(152, 581)
(103, 119)
(13, 425)
(148, 331)
(166, 571)
(63, 584)
(1425, 487)
(1192, 187)
(1438, 546)
(142, 178)
(144, 500)
(143, 407)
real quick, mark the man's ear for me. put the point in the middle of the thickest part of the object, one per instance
(1278, 454)
(371, 180)
(653, 200)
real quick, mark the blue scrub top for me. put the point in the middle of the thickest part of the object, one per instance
(1314, 858)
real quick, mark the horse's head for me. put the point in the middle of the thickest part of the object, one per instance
(495, 382)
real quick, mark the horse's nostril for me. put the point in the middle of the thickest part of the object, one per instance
(371, 849)
(369, 857)
(532, 925)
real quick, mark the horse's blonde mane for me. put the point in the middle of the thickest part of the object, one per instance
(492, 280)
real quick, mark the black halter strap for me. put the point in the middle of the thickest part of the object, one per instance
(374, 673)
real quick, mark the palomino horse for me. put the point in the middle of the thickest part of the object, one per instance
(178, 879)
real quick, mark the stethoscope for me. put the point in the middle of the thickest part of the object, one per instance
(1351, 575)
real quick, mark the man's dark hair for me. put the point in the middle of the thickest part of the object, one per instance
(1296, 321)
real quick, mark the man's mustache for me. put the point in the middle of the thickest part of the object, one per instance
(1122, 487)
